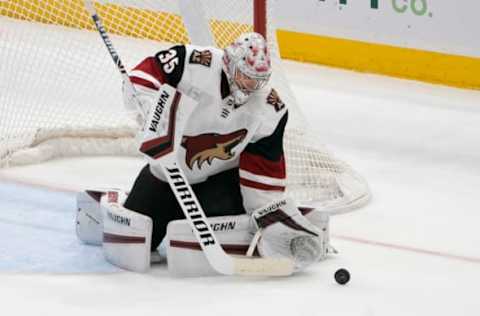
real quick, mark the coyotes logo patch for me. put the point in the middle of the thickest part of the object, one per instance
(203, 57)
(274, 100)
(206, 147)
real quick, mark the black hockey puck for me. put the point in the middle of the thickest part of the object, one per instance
(342, 276)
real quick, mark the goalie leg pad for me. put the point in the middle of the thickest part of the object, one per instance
(286, 233)
(89, 219)
(89, 222)
(321, 220)
(184, 255)
(127, 237)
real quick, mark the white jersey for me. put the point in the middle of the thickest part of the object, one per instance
(220, 135)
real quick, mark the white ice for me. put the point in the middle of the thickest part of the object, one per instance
(414, 250)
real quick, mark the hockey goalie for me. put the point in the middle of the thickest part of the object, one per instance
(216, 111)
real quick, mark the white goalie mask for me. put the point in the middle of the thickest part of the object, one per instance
(248, 65)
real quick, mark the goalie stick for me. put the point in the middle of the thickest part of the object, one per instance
(113, 53)
(216, 256)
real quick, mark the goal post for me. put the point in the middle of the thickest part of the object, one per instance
(61, 96)
(260, 17)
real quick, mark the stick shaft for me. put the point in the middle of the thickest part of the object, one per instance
(113, 53)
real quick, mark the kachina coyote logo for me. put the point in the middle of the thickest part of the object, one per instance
(206, 147)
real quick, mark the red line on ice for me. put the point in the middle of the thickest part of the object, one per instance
(408, 248)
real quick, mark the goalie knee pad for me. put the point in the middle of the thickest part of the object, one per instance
(184, 254)
(89, 219)
(127, 236)
(92, 205)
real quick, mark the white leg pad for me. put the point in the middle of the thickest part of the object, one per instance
(184, 255)
(89, 219)
(89, 222)
(127, 237)
(321, 220)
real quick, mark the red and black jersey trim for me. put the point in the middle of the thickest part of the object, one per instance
(263, 167)
(270, 147)
(261, 186)
(258, 165)
(143, 82)
(166, 60)
(150, 66)
(265, 158)
(172, 59)
(161, 146)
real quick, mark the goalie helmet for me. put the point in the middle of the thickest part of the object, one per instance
(248, 65)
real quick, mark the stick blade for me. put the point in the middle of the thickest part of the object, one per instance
(263, 266)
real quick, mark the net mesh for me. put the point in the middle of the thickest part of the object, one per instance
(60, 94)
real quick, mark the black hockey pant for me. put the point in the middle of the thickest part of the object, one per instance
(219, 195)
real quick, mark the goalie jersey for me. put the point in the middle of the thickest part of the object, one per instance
(220, 135)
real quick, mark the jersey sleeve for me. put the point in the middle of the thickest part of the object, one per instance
(262, 166)
(166, 66)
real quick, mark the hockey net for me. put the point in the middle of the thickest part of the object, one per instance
(61, 96)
